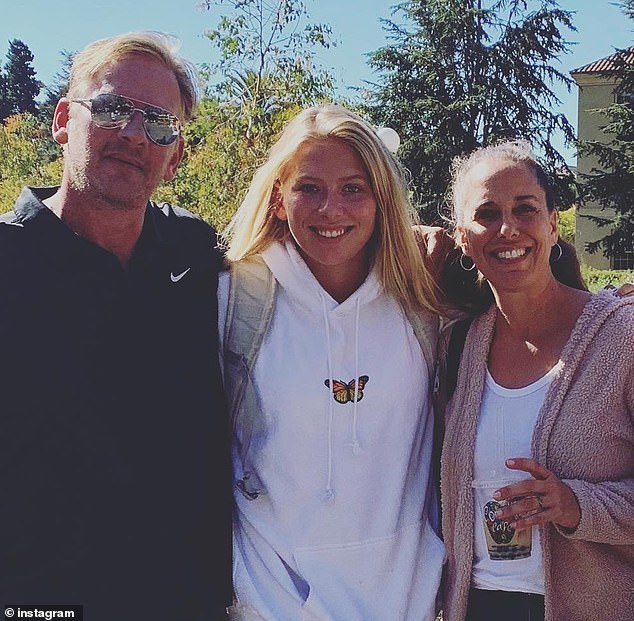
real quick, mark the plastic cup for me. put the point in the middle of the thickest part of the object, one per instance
(504, 543)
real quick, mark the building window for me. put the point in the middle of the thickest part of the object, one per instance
(623, 260)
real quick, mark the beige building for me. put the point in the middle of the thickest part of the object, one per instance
(597, 84)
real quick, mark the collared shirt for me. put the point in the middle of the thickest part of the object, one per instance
(115, 464)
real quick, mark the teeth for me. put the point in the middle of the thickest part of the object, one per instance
(330, 232)
(512, 254)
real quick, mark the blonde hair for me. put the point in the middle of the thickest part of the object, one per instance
(396, 255)
(104, 53)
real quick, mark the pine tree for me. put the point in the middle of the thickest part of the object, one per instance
(611, 185)
(5, 104)
(458, 74)
(20, 87)
(57, 88)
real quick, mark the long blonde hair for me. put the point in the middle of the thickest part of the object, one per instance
(396, 256)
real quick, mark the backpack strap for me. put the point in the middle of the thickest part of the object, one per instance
(249, 309)
(454, 352)
(425, 326)
(249, 312)
(449, 362)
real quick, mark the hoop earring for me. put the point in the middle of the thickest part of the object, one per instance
(554, 260)
(462, 265)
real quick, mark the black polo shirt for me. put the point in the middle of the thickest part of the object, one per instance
(114, 467)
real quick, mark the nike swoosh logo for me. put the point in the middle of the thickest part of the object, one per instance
(179, 276)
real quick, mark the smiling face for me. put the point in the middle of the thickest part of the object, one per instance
(120, 167)
(504, 224)
(326, 198)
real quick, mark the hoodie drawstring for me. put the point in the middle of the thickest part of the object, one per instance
(356, 448)
(329, 493)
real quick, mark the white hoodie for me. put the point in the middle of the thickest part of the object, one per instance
(341, 532)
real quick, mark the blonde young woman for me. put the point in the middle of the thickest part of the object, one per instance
(545, 398)
(333, 431)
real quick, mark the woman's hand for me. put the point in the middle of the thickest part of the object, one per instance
(541, 499)
(626, 289)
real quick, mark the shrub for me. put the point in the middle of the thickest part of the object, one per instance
(597, 279)
(567, 225)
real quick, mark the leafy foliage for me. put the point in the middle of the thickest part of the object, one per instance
(458, 74)
(27, 151)
(25, 157)
(611, 184)
(567, 225)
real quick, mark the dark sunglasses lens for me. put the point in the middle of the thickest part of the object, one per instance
(161, 127)
(111, 110)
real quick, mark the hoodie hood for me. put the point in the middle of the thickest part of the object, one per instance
(292, 273)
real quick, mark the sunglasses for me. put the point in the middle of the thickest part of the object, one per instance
(111, 111)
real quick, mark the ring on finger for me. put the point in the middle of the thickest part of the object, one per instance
(540, 503)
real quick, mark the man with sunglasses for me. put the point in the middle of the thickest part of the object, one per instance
(115, 469)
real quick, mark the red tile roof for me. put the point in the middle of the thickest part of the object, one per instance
(607, 64)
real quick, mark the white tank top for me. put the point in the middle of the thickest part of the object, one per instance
(505, 429)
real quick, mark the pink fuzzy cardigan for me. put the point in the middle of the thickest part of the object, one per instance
(585, 435)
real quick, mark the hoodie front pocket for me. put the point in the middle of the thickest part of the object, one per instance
(394, 577)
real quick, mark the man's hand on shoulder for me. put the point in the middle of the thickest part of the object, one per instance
(434, 244)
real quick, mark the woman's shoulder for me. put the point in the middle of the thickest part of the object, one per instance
(607, 323)
(251, 273)
(608, 308)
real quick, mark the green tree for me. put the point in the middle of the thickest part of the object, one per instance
(271, 45)
(5, 105)
(458, 74)
(57, 88)
(611, 184)
(266, 71)
(19, 86)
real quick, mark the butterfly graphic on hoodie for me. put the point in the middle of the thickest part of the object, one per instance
(343, 392)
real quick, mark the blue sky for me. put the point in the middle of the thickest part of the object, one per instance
(50, 26)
